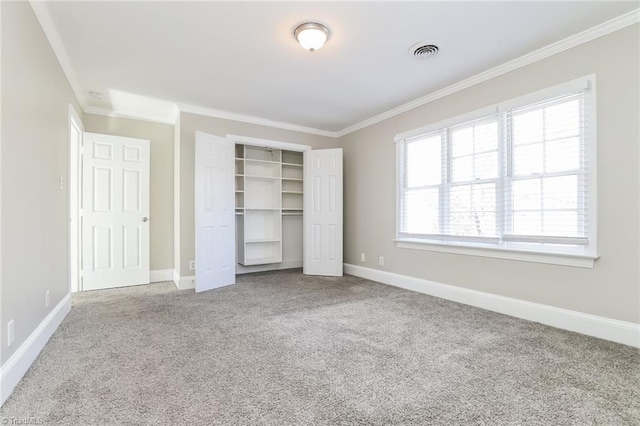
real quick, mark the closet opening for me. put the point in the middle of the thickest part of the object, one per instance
(268, 208)
(264, 205)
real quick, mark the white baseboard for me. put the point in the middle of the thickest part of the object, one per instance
(160, 275)
(627, 333)
(184, 283)
(15, 368)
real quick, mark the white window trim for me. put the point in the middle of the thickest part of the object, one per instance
(507, 250)
(473, 249)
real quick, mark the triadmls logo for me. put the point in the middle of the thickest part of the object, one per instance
(21, 421)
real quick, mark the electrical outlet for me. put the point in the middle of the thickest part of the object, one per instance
(10, 333)
(363, 258)
(192, 265)
(381, 261)
(61, 182)
(46, 299)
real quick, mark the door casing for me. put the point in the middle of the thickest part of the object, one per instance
(74, 179)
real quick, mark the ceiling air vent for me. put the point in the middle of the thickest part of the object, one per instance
(423, 50)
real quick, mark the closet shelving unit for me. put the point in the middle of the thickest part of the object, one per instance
(268, 186)
(291, 183)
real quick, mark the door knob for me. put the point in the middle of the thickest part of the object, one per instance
(145, 219)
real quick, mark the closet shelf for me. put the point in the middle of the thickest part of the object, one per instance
(261, 260)
(251, 160)
(262, 177)
(292, 192)
(291, 165)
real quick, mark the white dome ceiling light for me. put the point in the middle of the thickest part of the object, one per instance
(311, 35)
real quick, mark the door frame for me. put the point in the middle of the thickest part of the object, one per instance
(270, 144)
(74, 183)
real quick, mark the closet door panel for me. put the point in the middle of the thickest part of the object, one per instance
(214, 212)
(323, 212)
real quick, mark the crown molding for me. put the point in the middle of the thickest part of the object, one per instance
(593, 33)
(615, 24)
(208, 112)
(140, 117)
(51, 33)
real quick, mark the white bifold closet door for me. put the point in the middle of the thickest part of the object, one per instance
(215, 212)
(323, 212)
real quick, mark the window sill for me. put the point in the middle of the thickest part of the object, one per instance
(469, 249)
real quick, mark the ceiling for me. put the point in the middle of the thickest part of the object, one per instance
(242, 58)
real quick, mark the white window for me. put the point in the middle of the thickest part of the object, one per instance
(518, 177)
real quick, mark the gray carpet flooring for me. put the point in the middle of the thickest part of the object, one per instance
(285, 349)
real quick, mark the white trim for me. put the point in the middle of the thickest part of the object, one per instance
(570, 42)
(176, 202)
(615, 24)
(215, 113)
(160, 275)
(568, 259)
(624, 332)
(74, 183)
(160, 119)
(15, 368)
(246, 140)
(184, 283)
(591, 131)
(51, 33)
(582, 84)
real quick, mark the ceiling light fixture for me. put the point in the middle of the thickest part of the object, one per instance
(311, 35)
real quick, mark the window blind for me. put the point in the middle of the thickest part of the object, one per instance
(516, 176)
(546, 197)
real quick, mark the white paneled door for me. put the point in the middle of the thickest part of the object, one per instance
(115, 211)
(323, 212)
(215, 212)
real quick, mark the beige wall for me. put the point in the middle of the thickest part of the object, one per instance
(611, 288)
(161, 187)
(35, 108)
(189, 123)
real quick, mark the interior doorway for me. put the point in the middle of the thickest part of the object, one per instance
(108, 184)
